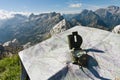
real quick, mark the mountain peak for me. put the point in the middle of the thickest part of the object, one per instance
(60, 27)
(113, 7)
(86, 11)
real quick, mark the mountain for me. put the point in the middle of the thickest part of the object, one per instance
(36, 28)
(52, 58)
(8, 26)
(89, 18)
(8, 17)
(12, 22)
(14, 42)
(110, 15)
(10, 14)
(114, 10)
(103, 18)
(33, 29)
(60, 27)
(86, 18)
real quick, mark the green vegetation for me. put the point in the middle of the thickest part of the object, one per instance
(10, 68)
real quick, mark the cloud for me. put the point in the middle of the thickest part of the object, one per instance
(91, 7)
(22, 13)
(5, 14)
(70, 11)
(75, 5)
(10, 14)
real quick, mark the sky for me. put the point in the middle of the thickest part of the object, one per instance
(63, 6)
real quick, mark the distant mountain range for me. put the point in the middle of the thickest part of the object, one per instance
(36, 28)
(103, 18)
(33, 28)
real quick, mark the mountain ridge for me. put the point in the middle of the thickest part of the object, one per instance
(36, 28)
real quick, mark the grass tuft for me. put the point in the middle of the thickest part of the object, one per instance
(10, 68)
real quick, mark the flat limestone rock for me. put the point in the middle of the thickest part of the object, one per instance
(51, 59)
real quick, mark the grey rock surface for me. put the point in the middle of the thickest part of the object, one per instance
(51, 59)
(116, 29)
(60, 27)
